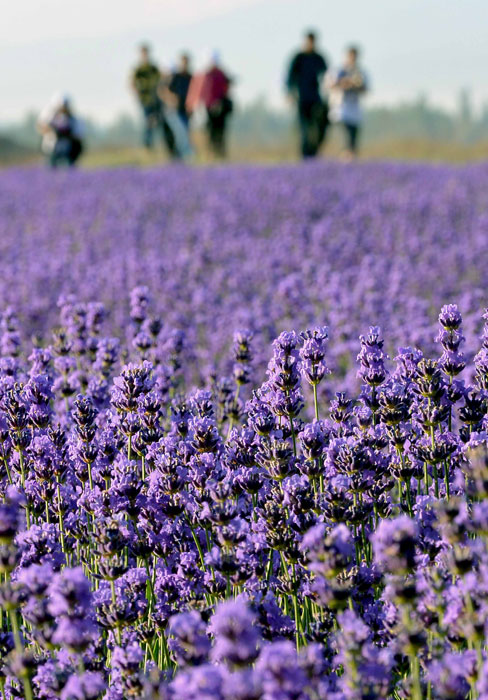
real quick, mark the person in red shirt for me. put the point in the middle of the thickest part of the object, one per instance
(210, 88)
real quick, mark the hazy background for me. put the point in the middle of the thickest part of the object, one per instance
(427, 60)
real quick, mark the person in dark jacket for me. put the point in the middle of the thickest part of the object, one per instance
(62, 132)
(305, 74)
(179, 85)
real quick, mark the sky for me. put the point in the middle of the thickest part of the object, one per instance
(86, 48)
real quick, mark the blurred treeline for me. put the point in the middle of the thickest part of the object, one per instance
(259, 130)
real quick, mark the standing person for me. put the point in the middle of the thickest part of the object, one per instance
(145, 81)
(347, 86)
(305, 74)
(211, 88)
(173, 92)
(179, 85)
(61, 131)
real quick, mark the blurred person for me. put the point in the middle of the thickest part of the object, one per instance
(62, 132)
(305, 74)
(347, 85)
(173, 92)
(211, 89)
(179, 85)
(146, 81)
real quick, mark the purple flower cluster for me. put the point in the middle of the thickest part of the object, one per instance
(197, 503)
(262, 249)
(224, 542)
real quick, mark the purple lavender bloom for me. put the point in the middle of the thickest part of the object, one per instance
(280, 672)
(353, 631)
(191, 644)
(128, 658)
(372, 358)
(41, 545)
(201, 683)
(172, 517)
(312, 354)
(88, 686)
(74, 633)
(449, 317)
(449, 676)
(36, 578)
(314, 437)
(69, 593)
(244, 684)
(9, 518)
(236, 637)
(328, 553)
(394, 544)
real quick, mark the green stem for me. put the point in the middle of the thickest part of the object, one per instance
(152, 598)
(231, 420)
(20, 650)
(114, 601)
(415, 672)
(9, 476)
(292, 428)
(315, 401)
(60, 518)
(198, 546)
(22, 481)
(409, 497)
(90, 476)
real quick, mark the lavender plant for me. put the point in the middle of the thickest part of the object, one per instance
(159, 541)
(199, 503)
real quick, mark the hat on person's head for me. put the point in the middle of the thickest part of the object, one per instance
(210, 57)
(59, 100)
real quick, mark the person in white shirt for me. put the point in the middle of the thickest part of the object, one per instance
(61, 131)
(347, 86)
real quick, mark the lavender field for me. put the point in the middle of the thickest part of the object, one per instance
(243, 433)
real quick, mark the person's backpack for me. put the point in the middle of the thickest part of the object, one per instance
(227, 106)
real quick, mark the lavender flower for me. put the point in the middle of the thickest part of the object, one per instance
(394, 544)
(236, 637)
(191, 509)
